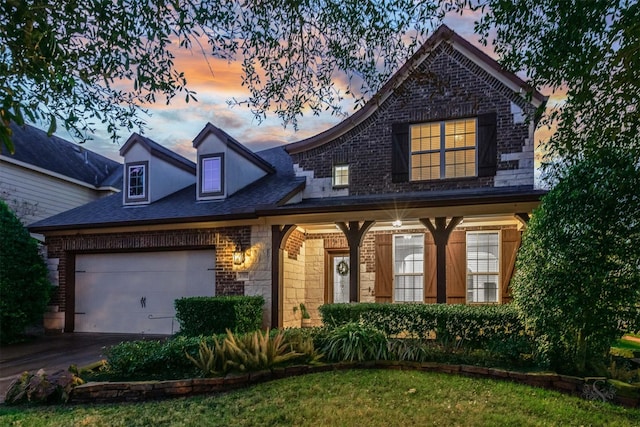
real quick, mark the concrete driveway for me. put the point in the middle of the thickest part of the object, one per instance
(55, 352)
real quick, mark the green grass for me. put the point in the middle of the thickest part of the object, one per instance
(347, 398)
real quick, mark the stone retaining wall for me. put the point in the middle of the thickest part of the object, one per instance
(110, 392)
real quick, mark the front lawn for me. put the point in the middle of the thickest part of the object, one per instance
(347, 398)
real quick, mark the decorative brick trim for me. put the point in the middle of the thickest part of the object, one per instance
(446, 85)
(294, 244)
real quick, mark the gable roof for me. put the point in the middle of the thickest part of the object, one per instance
(232, 144)
(270, 191)
(35, 148)
(158, 151)
(442, 35)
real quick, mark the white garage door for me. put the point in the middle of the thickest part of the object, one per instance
(134, 292)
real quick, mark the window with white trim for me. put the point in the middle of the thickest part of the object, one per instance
(341, 175)
(483, 267)
(408, 267)
(445, 149)
(211, 175)
(137, 185)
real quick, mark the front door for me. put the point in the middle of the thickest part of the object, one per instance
(338, 277)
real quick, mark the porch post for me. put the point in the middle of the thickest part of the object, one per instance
(354, 232)
(441, 232)
(279, 235)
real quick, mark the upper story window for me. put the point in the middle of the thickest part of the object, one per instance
(443, 149)
(341, 176)
(137, 182)
(408, 267)
(483, 266)
(211, 181)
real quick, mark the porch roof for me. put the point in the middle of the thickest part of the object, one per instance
(460, 202)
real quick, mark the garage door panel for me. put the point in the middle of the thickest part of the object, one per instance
(135, 292)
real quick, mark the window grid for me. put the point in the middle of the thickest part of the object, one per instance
(483, 267)
(408, 267)
(211, 175)
(136, 182)
(341, 175)
(443, 149)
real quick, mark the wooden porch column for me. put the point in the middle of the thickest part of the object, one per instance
(279, 235)
(441, 232)
(354, 232)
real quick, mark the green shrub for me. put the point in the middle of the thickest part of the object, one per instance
(24, 286)
(454, 327)
(42, 388)
(355, 342)
(154, 359)
(214, 315)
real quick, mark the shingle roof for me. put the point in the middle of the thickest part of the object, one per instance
(158, 151)
(34, 147)
(182, 205)
(405, 200)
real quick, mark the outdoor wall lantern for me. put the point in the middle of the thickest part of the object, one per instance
(238, 256)
(397, 223)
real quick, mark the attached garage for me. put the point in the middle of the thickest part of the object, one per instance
(135, 292)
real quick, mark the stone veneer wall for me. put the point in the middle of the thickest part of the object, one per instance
(293, 284)
(447, 85)
(224, 240)
(258, 269)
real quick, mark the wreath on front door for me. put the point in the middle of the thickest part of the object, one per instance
(342, 268)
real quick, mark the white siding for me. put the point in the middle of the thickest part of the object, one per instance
(49, 195)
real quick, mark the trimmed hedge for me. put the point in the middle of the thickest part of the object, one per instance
(214, 315)
(154, 359)
(493, 327)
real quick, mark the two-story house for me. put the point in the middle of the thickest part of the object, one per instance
(419, 197)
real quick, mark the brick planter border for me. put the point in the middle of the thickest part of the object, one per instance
(138, 391)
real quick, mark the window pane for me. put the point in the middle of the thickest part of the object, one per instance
(340, 175)
(211, 175)
(409, 268)
(425, 137)
(483, 265)
(425, 166)
(136, 181)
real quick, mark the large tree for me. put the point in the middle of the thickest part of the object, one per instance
(591, 49)
(81, 62)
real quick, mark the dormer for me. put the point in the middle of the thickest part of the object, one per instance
(152, 172)
(224, 165)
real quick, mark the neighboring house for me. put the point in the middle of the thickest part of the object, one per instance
(420, 197)
(48, 175)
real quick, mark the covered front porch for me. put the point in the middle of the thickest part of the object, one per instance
(463, 253)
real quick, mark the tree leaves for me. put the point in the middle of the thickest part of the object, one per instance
(105, 60)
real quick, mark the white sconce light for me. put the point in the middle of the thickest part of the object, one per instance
(397, 223)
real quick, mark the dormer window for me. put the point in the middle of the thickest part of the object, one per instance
(137, 184)
(211, 182)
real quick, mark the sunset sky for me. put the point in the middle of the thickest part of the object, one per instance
(177, 124)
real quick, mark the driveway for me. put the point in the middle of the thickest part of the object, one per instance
(55, 352)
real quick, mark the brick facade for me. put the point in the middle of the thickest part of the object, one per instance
(223, 240)
(447, 85)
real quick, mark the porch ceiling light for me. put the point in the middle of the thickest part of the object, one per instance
(238, 256)
(397, 223)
